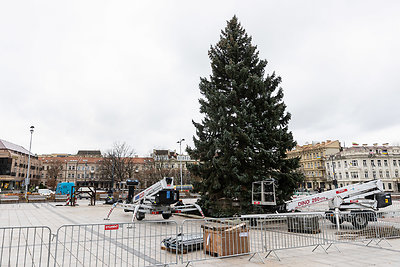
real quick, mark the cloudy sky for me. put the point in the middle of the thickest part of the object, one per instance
(88, 74)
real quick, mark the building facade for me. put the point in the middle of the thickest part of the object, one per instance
(171, 163)
(70, 168)
(364, 163)
(88, 170)
(312, 158)
(14, 166)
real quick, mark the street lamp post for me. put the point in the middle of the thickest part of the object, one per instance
(334, 173)
(180, 157)
(29, 163)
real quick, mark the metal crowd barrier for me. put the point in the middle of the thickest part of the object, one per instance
(25, 246)
(293, 231)
(151, 243)
(122, 244)
(366, 227)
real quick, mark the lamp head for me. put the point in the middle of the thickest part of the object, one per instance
(32, 128)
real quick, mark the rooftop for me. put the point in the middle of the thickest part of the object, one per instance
(5, 145)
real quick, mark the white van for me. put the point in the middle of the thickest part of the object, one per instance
(45, 192)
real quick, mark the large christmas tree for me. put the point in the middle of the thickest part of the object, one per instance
(244, 135)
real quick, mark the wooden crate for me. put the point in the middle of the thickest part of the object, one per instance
(226, 240)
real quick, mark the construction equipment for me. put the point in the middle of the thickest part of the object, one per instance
(354, 203)
(263, 192)
(156, 199)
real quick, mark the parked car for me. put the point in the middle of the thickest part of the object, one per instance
(83, 195)
(46, 192)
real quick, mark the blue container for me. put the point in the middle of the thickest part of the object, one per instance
(64, 188)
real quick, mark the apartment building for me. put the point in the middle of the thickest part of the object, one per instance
(312, 158)
(87, 169)
(14, 166)
(364, 163)
(70, 168)
(170, 163)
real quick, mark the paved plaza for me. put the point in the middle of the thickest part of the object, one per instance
(54, 216)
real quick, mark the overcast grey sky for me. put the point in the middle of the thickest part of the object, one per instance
(87, 74)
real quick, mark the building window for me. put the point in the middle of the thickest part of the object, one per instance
(390, 186)
(394, 162)
(374, 174)
(327, 165)
(387, 174)
(333, 164)
(383, 186)
(354, 175)
(385, 162)
(372, 163)
(345, 164)
(309, 185)
(396, 173)
(366, 174)
(380, 173)
(338, 164)
(340, 175)
(365, 163)
(379, 163)
(354, 162)
(347, 175)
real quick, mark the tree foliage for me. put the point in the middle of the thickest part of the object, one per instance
(244, 134)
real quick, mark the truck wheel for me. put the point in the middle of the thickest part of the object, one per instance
(332, 218)
(166, 216)
(359, 221)
(140, 216)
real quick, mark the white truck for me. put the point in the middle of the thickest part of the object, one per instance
(156, 199)
(354, 203)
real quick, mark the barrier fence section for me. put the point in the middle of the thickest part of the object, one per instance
(165, 242)
(217, 238)
(123, 244)
(293, 231)
(25, 246)
(367, 226)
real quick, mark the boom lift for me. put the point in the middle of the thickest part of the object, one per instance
(156, 199)
(356, 203)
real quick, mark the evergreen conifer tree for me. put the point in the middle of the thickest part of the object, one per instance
(244, 134)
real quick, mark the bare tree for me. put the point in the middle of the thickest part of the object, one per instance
(55, 169)
(156, 170)
(117, 164)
